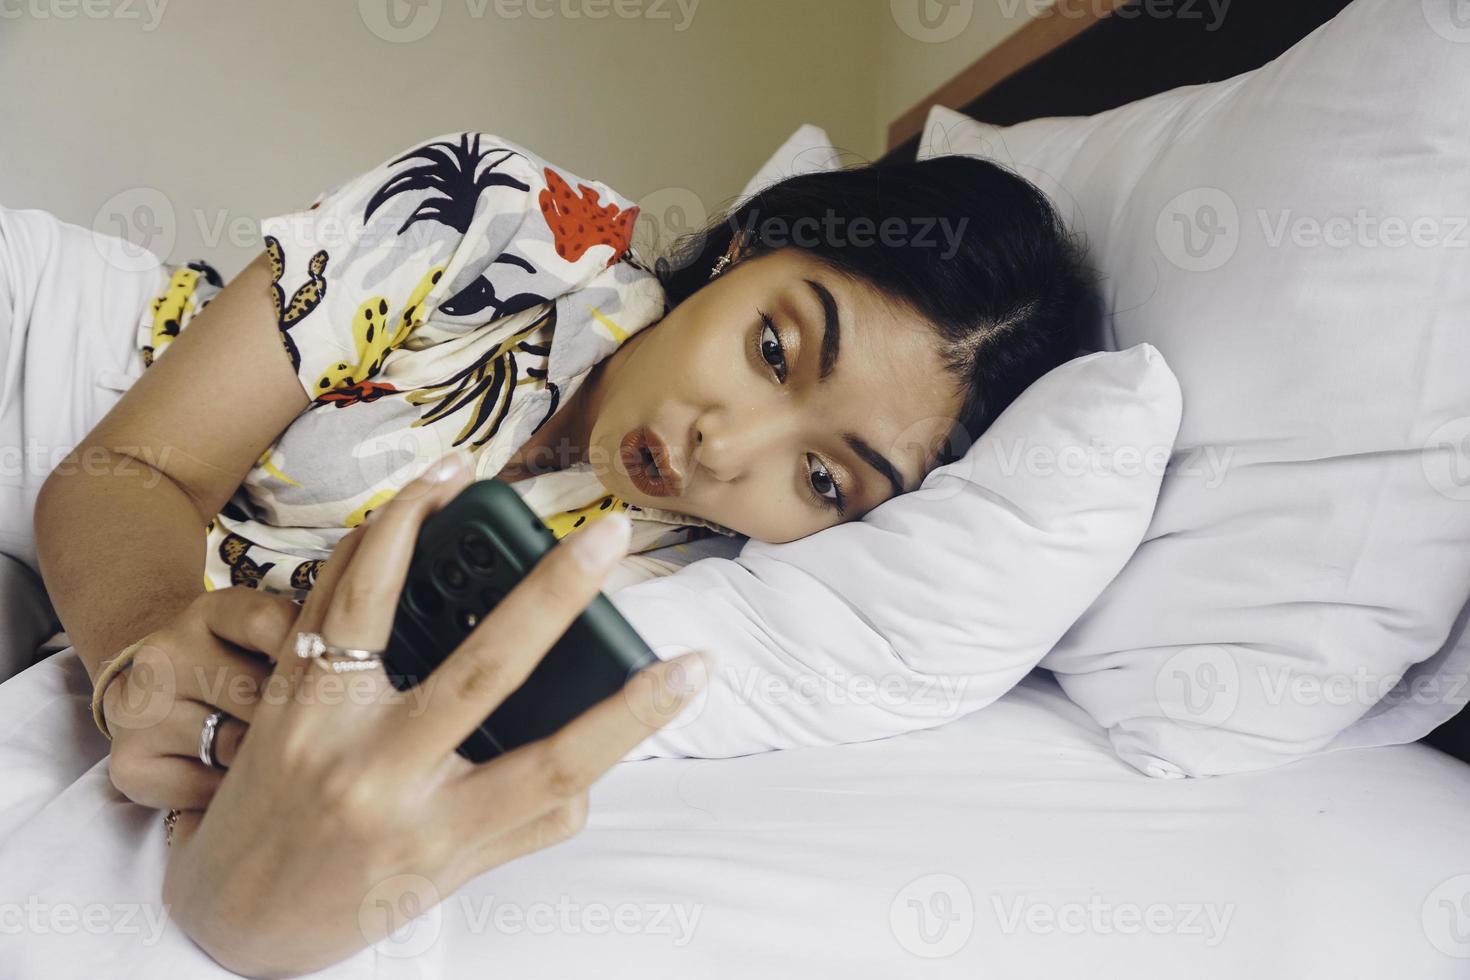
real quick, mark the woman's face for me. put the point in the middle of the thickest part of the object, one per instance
(776, 429)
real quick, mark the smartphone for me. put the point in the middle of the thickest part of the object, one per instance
(469, 554)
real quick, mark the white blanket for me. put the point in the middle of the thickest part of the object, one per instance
(1013, 840)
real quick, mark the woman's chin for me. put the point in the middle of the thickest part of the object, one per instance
(624, 489)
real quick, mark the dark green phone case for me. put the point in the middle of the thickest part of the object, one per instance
(469, 554)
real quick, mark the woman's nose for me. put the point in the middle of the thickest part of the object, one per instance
(730, 445)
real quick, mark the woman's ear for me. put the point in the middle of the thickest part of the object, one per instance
(733, 254)
(739, 246)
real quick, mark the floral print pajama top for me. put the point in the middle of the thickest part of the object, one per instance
(455, 295)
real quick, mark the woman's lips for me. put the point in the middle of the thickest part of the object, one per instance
(649, 464)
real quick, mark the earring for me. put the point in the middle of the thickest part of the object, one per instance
(724, 260)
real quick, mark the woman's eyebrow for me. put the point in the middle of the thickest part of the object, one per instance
(876, 460)
(831, 345)
(831, 329)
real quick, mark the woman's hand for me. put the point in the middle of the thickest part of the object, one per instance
(348, 803)
(215, 654)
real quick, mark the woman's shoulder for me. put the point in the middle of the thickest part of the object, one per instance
(439, 240)
(453, 177)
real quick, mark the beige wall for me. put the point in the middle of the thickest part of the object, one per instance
(208, 114)
(917, 54)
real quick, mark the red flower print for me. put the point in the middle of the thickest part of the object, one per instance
(578, 222)
(366, 391)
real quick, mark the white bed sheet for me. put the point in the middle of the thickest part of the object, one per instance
(1053, 859)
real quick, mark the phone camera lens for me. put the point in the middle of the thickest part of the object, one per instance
(452, 574)
(477, 553)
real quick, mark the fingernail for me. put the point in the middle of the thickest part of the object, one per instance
(603, 543)
(450, 465)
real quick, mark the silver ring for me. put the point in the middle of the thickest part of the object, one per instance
(311, 646)
(206, 740)
(339, 660)
(347, 666)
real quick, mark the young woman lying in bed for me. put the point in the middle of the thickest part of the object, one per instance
(816, 352)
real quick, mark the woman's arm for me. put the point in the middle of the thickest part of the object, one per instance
(340, 813)
(404, 255)
(120, 522)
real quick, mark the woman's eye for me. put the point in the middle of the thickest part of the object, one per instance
(826, 491)
(823, 483)
(771, 349)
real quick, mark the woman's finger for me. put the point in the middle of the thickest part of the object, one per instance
(229, 680)
(362, 582)
(288, 666)
(227, 738)
(556, 826)
(535, 779)
(366, 597)
(248, 618)
(178, 667)
(164, 780)
(500, 653)
(186, 726)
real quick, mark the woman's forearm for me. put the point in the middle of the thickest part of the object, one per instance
(121, 550)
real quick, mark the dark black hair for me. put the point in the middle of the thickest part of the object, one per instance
(1006, 287)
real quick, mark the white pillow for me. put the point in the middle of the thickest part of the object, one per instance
(939, 600)
(808, 150)
(1294, 241)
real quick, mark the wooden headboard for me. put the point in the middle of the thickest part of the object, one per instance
(1084, 56)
